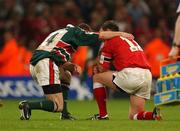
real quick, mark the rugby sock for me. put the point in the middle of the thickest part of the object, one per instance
(45, 105)
(65, 98)
(144, 116)
(100, 96)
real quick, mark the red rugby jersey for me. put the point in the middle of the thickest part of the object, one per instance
(123, 53)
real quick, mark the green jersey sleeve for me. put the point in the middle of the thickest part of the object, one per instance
(82, 38)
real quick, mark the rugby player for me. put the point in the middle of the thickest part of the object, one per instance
(132, 75)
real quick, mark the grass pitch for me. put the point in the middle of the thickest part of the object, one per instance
(118, 113)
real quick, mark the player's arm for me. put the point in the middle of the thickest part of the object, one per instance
(97, 67)
(176, 44)
(105, 58)
(104, 61)
(177, 32)
(104, 35)
(84, 38)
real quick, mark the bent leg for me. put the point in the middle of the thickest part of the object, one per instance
(53, 102)
(57, 99)
(136, 105)
(137, 112)
(105, 79)
(46, 73)
(99, 80)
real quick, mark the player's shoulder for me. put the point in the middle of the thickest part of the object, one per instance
(73, 29)
(114, 39)
(111, 42)
(70, 26)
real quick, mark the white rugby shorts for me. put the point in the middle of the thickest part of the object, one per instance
(45, 72)
(135, 81)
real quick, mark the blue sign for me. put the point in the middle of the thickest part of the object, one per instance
(167, 97)
(25, 87)
(170, 69)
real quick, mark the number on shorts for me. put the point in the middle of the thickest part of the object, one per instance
(132, 45)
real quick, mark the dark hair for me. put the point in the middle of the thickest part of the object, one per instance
(111, 25)
(85, 27)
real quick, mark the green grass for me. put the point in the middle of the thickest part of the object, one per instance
(118, 113)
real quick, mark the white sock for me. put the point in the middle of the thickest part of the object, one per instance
(97, 85)
(135, 117)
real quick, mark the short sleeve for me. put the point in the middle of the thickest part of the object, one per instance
(106, 55)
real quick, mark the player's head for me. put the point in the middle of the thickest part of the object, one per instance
(85, 27)
(109, 25)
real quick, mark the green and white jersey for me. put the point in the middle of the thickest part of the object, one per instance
(60, 45)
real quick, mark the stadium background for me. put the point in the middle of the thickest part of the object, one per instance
(25, 23)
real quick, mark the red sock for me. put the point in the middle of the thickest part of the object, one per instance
(144, 115)
(100, 96)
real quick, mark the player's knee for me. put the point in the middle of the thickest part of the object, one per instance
(96, 78)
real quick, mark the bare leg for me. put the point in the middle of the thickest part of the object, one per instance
(136, 105)
(105, 78)
(57, 99)
(99, 81)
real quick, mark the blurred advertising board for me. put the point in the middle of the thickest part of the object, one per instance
(25, 88)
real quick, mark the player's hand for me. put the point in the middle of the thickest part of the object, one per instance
(127, 35)
(69, 66)
(174, 52)
(78, 70)
(97, 69)
(73, 68)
